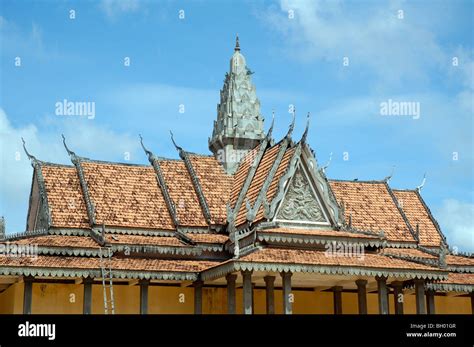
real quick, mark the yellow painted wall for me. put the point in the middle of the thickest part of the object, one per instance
(11, 299)
(57, 298)
(68, 299)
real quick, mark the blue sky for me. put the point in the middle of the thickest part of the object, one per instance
(296, 49)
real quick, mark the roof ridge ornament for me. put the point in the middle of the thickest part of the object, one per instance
(33, 159)
(305, 133)
(270, 130)
(71, 153)
(237, 44)
(323, 169)
(418, 189)
(389, 177)
(180, 149)
(292, 125)
(148, 152)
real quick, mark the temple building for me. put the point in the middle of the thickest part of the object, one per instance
(254, 227)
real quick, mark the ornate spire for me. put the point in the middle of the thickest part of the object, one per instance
(237, 44)
(239, 125)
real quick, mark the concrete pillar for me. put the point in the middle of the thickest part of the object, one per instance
(247, 291)
(198, 296)
(27, 294)
(87, 298)
(337, 292)
(231, 278)
(398, 296)
(430, 301)
(144, 296)
(382, 294)
(287, 300)
(420, 296)
(362, 296)
(270, 293)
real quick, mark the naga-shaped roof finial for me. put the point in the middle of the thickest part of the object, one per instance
(31, 157)
(305, 134)
(148, 153)
(418, 189)
(174, 143)
(323, 169)
(71, 153)
(270, 131)
(389, 177)
(292, 125)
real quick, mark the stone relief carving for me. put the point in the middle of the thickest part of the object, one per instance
(300, 202)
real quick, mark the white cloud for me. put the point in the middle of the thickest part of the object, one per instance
(113, 8)
(374, 38)
(84, 136)
(457, 222)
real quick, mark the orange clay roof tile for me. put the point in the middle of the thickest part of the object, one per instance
(65, 199)
(418, 215)
(372, 208)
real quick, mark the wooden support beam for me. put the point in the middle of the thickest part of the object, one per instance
(133, 282)
(186, 283)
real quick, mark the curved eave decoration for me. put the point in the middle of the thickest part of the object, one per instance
(95, 273)
(220, 271)
(309, 239)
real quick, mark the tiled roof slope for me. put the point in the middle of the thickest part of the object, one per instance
(65, 199)
(182, 193)
(414, 208)
(241, 174)
(126, 196)
(372, 208)
(215, 184)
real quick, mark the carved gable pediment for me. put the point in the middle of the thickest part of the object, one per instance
(301, 202)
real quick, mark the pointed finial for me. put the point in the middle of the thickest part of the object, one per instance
(237, 44)
(418, 189)
(31, 157)
(323, 169)
(270, 131)
(292, 125)
(148, 153)
(71, 153)
(305, 134)
(389, 177)
(174, 143)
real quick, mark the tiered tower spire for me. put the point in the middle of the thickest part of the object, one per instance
(239, 124)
